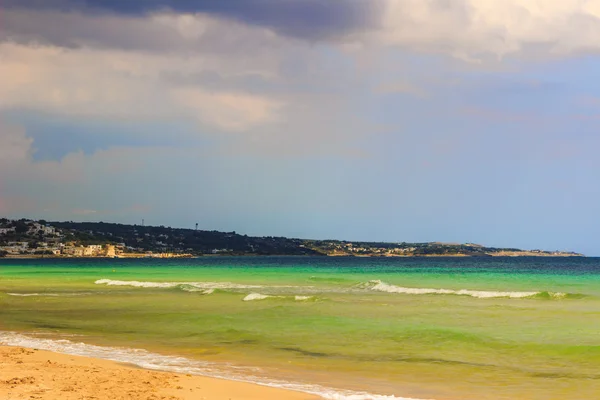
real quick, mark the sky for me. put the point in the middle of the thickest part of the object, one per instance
(383, 120)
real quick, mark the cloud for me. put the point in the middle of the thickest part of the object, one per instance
(16, 166)
(77, 184)
(476, 29)
(15, 146)
(16, 159)
(164, 31)
(223, 75)
(91, 83)
(230, 111)
(471, 30)
(305, 19)
(402, 87)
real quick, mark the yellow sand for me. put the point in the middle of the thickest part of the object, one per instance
(35, 374)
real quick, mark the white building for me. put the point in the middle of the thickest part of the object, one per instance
(46, 230)
(4, 231)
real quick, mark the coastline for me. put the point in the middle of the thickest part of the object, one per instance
(497, 255)
(39, 374)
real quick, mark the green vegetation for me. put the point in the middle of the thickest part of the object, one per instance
(174, 240)
(39, 237)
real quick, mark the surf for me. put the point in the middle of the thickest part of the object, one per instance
(164, 285)
(380, 286)
(170, 363)
(259, 296)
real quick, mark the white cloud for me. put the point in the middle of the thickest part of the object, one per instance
(94, 78)
(28, 186)
(16, 160)
(107, 66)
(473, 29)
(15, 146)
(230, 111)
(477, 30)
(117, 84)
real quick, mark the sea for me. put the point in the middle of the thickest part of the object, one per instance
(344, 328)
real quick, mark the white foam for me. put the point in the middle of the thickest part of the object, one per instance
(193, 289)
(481, 294)
(256, 296)
(153, 361)
(259, 296)
(164, 285)
(187, 286)
(302, 298)
(110, 282)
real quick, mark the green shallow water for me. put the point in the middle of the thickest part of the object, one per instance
(347, 333)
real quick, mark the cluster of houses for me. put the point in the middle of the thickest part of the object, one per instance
(35, 239)
(58, 249)
(42, 239)
(32, 229)
(342, 248)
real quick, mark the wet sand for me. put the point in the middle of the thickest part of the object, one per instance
(36, 374)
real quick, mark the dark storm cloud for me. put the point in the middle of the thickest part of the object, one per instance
(305, 19)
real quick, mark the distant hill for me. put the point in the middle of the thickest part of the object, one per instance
(27, 237)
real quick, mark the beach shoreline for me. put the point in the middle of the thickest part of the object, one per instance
(39, 374)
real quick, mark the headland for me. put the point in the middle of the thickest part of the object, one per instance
(42, 239)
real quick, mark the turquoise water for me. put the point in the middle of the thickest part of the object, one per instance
(429, 328)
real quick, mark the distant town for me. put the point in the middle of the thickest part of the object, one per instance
(26, 238)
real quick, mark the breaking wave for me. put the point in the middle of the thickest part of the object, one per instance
(379, 286)
(197, 290)
(302, 298)
(183, 285)
(206, 288)
(153, 361)
(258, 296)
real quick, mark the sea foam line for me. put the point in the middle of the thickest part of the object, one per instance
(259, 296)
(188, 285)
(256, 296)
(380, 286)
(164, 285)
(153, 361)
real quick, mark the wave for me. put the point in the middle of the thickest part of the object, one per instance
(197, 290)
(302, 298)
(380, 286)
(206, 288)
(258, 296)
(303, 293)
(198, 285)
(181, 365)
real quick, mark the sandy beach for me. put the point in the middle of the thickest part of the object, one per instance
(36, 374)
